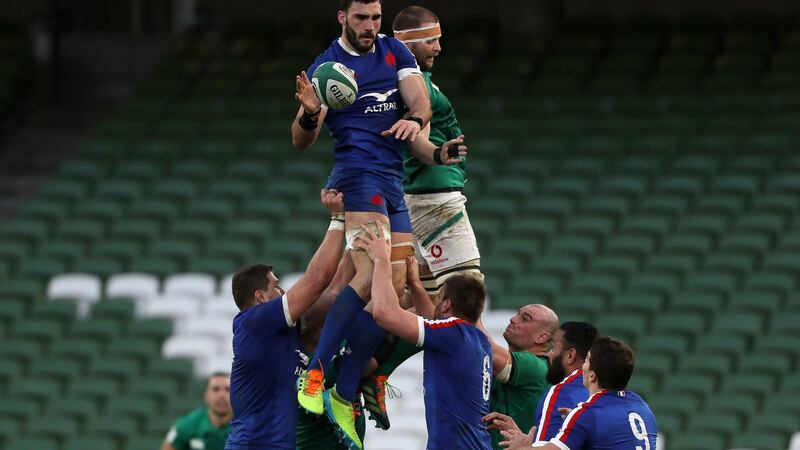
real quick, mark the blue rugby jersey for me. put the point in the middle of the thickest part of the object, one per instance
(357, 129)
(266, 360)
(566, 394)
(457, 378)
(609, 420)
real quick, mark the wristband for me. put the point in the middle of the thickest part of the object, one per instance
(417, 120)
(337, 222)
(437, 156)
(308, 121)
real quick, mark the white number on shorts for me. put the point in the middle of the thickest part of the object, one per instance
(639, 430)
(487, 377)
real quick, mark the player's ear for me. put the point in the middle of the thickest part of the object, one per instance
(542, 338)
(342, 16)
(571, 356)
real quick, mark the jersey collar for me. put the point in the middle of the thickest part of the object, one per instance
(350, 50)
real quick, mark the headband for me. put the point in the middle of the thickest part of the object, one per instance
(418, 34)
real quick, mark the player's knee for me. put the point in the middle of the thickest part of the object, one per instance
(352, 234)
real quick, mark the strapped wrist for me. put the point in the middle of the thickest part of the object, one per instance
(417, 120)
(437, 156)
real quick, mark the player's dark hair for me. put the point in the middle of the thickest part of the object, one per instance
(215, 375)
(467, 295)
(413, 17)
(344, 5)
(248, 280)
(580, 336)
(612, 361)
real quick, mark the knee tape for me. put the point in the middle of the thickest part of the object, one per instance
(352, 234)
(401, 251)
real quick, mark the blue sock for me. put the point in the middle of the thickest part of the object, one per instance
(337, 323)
(363, 341)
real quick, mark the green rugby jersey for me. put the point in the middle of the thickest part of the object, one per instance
(519, 397)
(195, 431)
(423, 178)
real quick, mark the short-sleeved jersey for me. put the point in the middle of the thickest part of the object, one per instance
(266, 359)
(195, 431)
(457, 377)
(421, 178)
(566, 394)
(519, 396)
(609, 420)
(357, 129)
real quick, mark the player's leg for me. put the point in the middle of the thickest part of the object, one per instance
(347, 307)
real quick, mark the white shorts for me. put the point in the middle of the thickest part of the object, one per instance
(443, 236)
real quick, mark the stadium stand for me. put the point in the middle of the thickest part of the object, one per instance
(652, 188)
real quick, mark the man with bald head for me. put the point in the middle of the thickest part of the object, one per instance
(521, 370)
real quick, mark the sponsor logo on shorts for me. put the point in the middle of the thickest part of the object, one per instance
(376, 200)
(436, 250)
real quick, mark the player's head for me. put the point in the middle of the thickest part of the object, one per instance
(360, 21)
(571, 343)
(253, 285)
(609, 365)
(532, 328)
(218, 393)
(461, 296)
(419, 29)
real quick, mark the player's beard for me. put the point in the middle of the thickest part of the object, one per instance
(352, 39)
(555, 371)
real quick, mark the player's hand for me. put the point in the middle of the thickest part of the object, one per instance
(412, 271)
(517, 440)
(452, 151)
(332, 200)
(403, 130)
(305, 94)
(564, 411)
(375, 245)
(500, 422)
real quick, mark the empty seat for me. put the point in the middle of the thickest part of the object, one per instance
(139, 286)
(194, 284)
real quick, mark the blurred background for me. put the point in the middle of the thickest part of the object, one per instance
(632, 163)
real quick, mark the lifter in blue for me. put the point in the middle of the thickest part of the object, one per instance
(457, 361)
(368, 170)
(266, 347)
(612, 417)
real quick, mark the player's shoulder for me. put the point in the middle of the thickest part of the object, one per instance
(192, 419)
(529, 359)
(450, 322)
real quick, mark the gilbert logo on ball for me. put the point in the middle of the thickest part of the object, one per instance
(335, 85)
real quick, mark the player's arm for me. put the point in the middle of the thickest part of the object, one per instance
(385, 305)
(423, 305)
(177, 437)
(308, 121)
(502, 362)
(415, 97)
(323, 264)
(167, 446)
(427, 152)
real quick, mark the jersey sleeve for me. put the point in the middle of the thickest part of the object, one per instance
(527, 370)
(439, 335)
(406, 63)
(576, 430)
(271, 317)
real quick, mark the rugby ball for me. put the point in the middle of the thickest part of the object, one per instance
(335, 85)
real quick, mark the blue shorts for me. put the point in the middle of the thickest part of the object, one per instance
(374, 192)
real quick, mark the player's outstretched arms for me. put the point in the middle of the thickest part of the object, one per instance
(321, 269)
(385, 304)
(308, 121)
(448, 154)
(423, 305)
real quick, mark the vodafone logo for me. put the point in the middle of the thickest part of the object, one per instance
(436, 251)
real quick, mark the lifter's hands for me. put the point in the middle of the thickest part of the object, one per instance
(375, 245)
(452, 151)
(305, 94)
(500, 422)
(332, 200)
(403, 130)
(517, 440)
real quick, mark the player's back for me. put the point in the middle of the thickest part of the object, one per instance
(265, 364)
(610, 420)
(457, 380)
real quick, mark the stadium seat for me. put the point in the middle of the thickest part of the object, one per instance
(138, 286)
